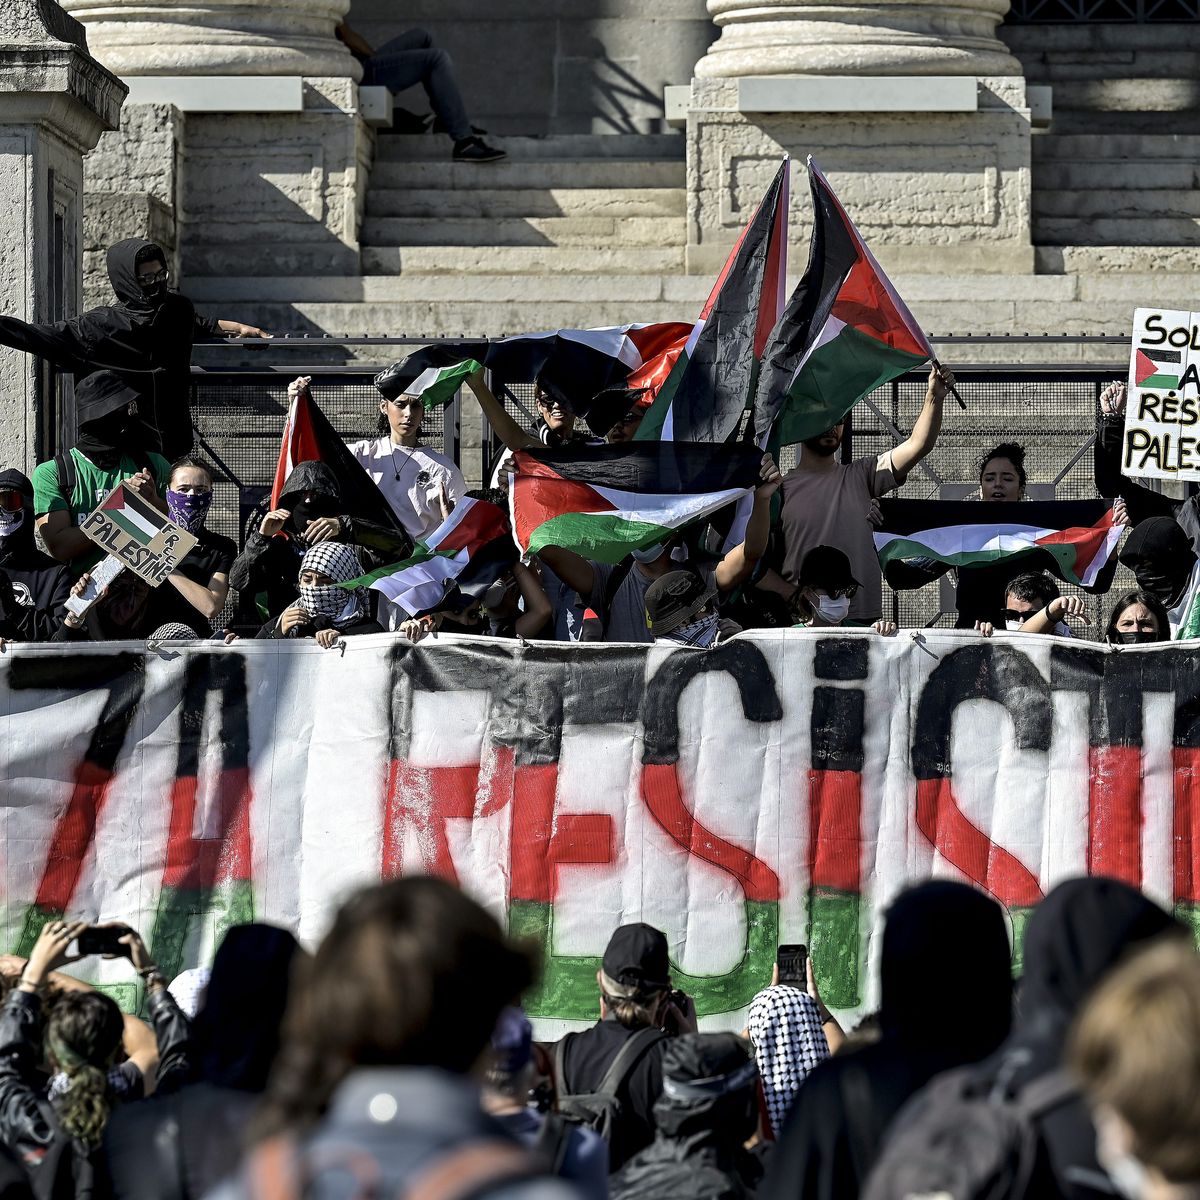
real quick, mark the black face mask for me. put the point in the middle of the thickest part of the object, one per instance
(1133, 637)
(311, 510)
(155, 293)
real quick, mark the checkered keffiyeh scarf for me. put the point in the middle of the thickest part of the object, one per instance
(785, 1031)
(341, 564)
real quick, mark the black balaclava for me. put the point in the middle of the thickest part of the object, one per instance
(123, 260)
(16, 529)
(1161, 558)
(106, 428)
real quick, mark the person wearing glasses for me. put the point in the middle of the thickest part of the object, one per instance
(825, 591)
(1033, 604)
(146, 337)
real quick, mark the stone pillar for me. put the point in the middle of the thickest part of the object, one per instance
(251, 37)
(55, 101)
(916, 112)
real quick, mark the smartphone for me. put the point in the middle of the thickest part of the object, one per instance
(103, 939)
(793, 965)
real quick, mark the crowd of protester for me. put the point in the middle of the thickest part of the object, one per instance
(807, 558)
(396, 1060)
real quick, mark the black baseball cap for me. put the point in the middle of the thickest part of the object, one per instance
(674, 599)
(826, 568)
(636, 956)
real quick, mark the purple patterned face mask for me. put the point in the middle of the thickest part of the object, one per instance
(188, 509)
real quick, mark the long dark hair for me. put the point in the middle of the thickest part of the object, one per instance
(413, 973)
(383, 427)
(1153, 603)
(82, 1036)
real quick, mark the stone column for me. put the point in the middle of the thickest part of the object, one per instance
(915, 111)
(55, 101)
(249, 37)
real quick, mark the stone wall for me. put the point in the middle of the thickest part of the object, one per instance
(555, 66)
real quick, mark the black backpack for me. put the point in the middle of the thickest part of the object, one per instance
(602, 1110)
(968, 1136)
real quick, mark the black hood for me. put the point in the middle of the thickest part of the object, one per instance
(1082, 929)
(123, 259)
(236, 1032)
(13, 481)
(315, 477)
(947, 940)
(19, 544)
(100, 395)
(709, 1090)
(1161, 558)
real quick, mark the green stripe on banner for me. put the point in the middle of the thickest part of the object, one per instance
(132, 528)
(1064, 553)
(650, 430)
(1189, 914)
(604, 537)
(568, 986)
(834, 945)
(31, 927)
(423, 555)
(184, 911)
(1020, 919)
(1160, 381)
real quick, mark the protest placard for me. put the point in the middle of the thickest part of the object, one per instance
(147, 541)
(1162, 417)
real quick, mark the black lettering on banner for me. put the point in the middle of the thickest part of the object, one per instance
(660, 710)
(1155, 332)
(839, 713)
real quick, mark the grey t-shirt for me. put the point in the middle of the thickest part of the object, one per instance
(627, 616)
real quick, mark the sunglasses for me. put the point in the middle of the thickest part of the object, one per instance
(11, 501)
(158, 277)
(849, 591)
(1012, 614)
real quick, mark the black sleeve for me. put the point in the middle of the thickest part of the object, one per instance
(23, 1125)
(172, 1032)
(1141, 502)
(65, 633)
(207, 329)
(59, 343)
(48, 621)
(386, 541)
(250, 569)
(908, 573)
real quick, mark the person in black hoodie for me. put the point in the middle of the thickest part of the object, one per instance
(33, 587)
(940, 939)
(190, 1134)
(707, 1111)
(146, 337)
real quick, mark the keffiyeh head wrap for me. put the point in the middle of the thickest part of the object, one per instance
(341, 564)
(785, 1030)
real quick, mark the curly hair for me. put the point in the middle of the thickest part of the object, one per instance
(1013, 451)
(83, 1034)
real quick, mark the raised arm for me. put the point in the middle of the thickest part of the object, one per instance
(573, 569)
(59, 343)
(738, 564)
(537, 612)
(507, 430)
(927, 427)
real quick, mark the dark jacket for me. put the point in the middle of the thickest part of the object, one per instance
(309, 629)
(59, 1166)
(147, 343)
(33, 587)
(837, 1124)
(271, 565)
(698, 1149)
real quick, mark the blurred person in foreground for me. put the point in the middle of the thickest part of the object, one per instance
(383, 1032)
(190, 1134)
(1143, 1091)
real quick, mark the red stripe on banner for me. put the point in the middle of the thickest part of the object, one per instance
(969, 849)
(72, 837)
(540, 842)
(835, 830)
(1115, 813)
(1185, 835)
(203, 862)
(664, 799)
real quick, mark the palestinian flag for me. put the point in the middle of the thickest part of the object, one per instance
(844, 333)
(467, 553)
(1073, 539)
(1155, 368)
(309, 437)
(604, 501)
(124, 507)
(439, 385)
(703, 383)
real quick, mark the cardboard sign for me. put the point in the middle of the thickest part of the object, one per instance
(145, 540)
(1162, 417)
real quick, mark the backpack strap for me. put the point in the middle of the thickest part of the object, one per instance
(471, 1170)
(619, 574)
(627, 1058)
(1046, 1093)
(553, 1140)
(560, 1064)
(68, 477)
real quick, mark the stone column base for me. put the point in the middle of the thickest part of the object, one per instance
(936, 191)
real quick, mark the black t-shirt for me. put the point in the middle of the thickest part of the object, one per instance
(213, 554)
(586, 1058)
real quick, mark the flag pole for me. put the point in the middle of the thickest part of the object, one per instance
(953, 390)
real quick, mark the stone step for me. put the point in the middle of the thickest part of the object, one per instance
(1118, 175)
(1087, 120)
(1151, 204)
(1115, 231)
(668, 146)
(534, 231)
(1102, 147)
(550, 173)
(523, 260)
(1100, 262)
(527, 202)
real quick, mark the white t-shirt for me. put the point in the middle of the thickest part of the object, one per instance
(411, 478)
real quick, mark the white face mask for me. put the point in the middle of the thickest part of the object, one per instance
(10, 522)
(833, 609)
(1011, 625)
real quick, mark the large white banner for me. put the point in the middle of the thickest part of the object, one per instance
(781, 787)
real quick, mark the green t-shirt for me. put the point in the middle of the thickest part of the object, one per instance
(92, 484)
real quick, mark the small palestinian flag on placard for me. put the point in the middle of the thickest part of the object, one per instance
(1073, 539)
(605, 501)
(466, 553)
(140, 520)
(845, 332)
(1155, 368)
